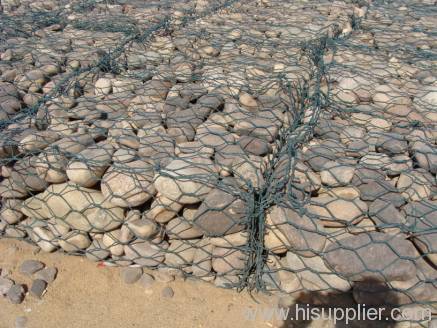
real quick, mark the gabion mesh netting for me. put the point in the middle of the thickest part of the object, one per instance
(271, 145)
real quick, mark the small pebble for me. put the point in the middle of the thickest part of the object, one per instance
(167, 292)
(16, 294)
(146, 280)
(38, 288)
(131, 275)
(29, 267)
(20, 322)
(47, 274)
(5, 285)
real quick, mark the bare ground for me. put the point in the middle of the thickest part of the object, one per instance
(88, 295)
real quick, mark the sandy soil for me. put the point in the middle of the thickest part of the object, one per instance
(87, 295)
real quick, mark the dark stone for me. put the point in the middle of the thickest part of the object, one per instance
(318, 156)
(47, 274)
(384, 214)
(357, 148)
(226, 155)
(220, 214)
(167, 292)
(381, 190)
(38, 288)
(391, 144)
(254, 145)
(372, 256)
(365, 175)
(5, 285)
(16, 294)
(29, 267)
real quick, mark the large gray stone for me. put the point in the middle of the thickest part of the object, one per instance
(221, 213)
(372, 256)
(302, 234)
(29, 267)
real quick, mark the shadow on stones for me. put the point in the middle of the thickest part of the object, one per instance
(372, 295)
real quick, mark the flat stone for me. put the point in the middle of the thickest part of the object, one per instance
(248, 101)
(186, 181)
(88, 166)
(375, 161)
(335, 174)
(124, 155)
(226, 156)
(357, 148)
(372, 256)
(44, 238)
(231, 240)
(10, 212)
(131, 275)
(103, 86)
(38, 288)
(182, 228)
(381, 189)
(5, 285)
(391, 144)
(29, 267)
(228, 260)
(248, 173)
(425, 154)
(337, 212)
(38, 140)
(314, 275)
(143, 228)
(220, 214)
(424, 210)
(80, 208)
(146, 253)
(74, 241)
(202, 262)
(167, 292)
(212, 135)
(415, 185)
(427, 244)
(129, 184)
(163, 209)
(47, 274)
(97, 251)
(422, 220)
(16, 294)
(254, 146)
(384, 213)
(365, 175)
(352, 133)
(302, 234)
(181, 253)
(318, 156)
(257, 127)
